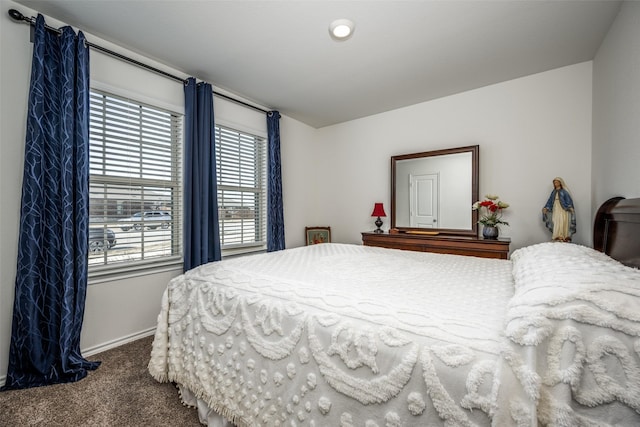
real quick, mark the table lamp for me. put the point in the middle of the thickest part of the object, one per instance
(378, 210)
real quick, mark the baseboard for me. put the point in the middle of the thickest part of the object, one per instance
(117, 342)
(3, 380)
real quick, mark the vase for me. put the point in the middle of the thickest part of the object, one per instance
(490, 232)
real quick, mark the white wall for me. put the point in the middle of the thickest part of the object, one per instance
(529, 130)
(15, 62)
(298, 151)
(116, 310)
(616, 109)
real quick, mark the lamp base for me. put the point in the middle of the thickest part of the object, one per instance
(378, 224)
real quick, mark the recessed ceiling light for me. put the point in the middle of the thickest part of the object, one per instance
(341, 29)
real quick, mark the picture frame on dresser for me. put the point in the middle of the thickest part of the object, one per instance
(315, 235)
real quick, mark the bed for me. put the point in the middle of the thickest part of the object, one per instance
(349, 335)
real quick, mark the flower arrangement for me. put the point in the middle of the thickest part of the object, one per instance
(490, 211)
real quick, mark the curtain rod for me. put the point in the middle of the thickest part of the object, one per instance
(19, 17)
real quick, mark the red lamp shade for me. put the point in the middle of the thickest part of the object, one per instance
(378, 210)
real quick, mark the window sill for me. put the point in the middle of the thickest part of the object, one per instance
(110, 274)
(236, 252)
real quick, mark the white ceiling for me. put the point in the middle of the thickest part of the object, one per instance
(278, 54)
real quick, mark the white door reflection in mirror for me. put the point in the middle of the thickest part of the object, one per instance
(424, 200)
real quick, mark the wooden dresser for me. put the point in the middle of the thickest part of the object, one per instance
(441, 243)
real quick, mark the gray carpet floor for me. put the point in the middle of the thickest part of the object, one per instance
(119, 393)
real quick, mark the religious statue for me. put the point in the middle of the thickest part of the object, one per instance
(558, 214)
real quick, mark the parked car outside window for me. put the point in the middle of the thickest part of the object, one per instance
(149, 219)
(101, 239)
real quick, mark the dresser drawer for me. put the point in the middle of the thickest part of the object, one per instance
(456, 245)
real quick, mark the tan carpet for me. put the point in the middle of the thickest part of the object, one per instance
(119, 393)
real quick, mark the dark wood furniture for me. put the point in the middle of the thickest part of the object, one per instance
(616, 230)
(440, 243)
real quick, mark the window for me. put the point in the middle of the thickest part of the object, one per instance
(135, 184)
(241, 167)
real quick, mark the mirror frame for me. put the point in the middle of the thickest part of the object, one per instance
(474, 150)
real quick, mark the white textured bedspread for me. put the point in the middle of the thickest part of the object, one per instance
(573, 340)
(337, 335)
(346, 336)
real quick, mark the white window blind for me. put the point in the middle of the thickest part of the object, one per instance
(241, 167)
(135, 184)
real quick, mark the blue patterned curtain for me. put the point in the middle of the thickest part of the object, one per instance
(51, 280)
(201, 228)
(275, 216)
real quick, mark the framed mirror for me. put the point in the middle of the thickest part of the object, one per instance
(433, 191)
